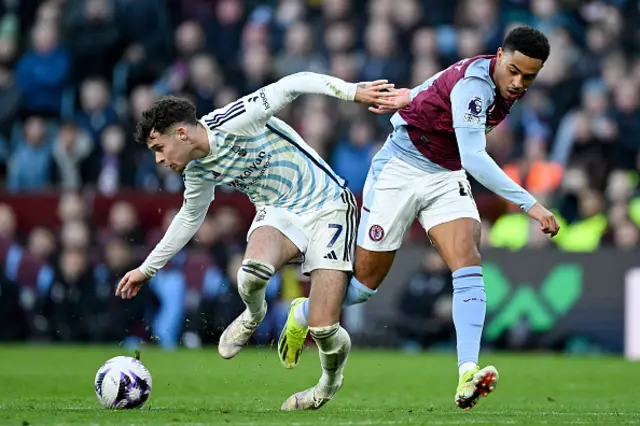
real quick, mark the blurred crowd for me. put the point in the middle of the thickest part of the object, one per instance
(58, 284)
(75, 76)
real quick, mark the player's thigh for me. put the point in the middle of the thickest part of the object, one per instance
(332, 235)
(389, 205)
(273, 238)
(452, 221)
(328, 288)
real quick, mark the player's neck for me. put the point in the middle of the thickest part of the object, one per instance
(201, 147)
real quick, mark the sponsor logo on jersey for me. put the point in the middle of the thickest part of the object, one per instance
(260, 165)
(265, 102)
(376, 233)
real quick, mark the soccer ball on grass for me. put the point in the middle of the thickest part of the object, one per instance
(123, 383)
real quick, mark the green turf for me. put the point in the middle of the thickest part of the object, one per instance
(54, 385)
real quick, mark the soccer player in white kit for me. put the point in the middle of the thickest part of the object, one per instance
(303, 209)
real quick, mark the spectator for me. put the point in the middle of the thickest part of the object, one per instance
(72, 147)
(425, 304)
(96, 113)
(100, 45)
(113, 166)
(75, 235)
(42, 244)
(352, 157)
(43, 73)
(299, 53)
(383, 59)
(30, 167)
(66, 306)
(10, 98)
(189, 40)
(71, 207)
(123, 224)
(205, 79)
(114, 319)
(7, 222)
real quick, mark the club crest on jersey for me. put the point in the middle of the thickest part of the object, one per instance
(376, 233)
(241, 152)
(475, 106)
(261, 214)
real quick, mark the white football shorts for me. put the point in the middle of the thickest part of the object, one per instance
(325, 238)
(396, 193)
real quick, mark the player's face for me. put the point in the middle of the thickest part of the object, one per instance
(172, 150)
(514, 73)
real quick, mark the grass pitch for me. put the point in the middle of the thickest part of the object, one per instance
(43, 385)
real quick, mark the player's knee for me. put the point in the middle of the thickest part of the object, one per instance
(357, 293)
(331, 338)
(253, 276)
(465, 255)
(371, 268)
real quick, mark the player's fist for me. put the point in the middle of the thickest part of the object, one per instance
(130, 284)
(375, 93)
(548, 222)
(398, 100)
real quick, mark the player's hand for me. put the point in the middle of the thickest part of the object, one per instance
(548, 222)
(130, 284)
(375, 93)
(398, 100)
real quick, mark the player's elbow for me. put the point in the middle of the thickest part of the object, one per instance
(470, 162)
(191, 217)
(294, 84)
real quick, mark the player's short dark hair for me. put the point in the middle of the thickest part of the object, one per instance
(164, 113)
(528, 41)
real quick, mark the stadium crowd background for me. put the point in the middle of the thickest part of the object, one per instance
(75, 76)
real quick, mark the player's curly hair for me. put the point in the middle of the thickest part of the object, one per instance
(528, 41)
(163, 114)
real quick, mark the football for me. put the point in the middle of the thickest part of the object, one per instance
(123, 383)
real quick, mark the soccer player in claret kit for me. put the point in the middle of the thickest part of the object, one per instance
(303, 209)
(438, 133)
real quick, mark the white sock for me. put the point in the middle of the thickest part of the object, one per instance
(334, 345)
(300, 314)
(253, 277)
(466, 367)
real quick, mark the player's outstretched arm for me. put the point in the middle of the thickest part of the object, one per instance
(469, 102)
(197, 197)
(398, 100)
(476, 161)
(248, 116)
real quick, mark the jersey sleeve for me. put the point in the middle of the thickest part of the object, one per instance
(249, 115)
(198, 194)
(470, 99)
(425, 84)
(477, 162)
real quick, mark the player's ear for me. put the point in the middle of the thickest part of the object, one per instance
(499, 54)
(182, 134)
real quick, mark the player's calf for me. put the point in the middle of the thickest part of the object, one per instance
(295, 330)
(253, 277)
(334, 345)
(356, 293)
